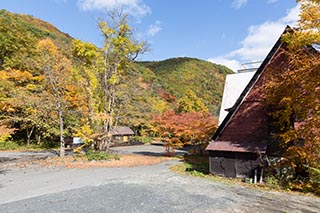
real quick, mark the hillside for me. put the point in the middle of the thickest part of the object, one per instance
(145, 88)
(19, 35)
(177, 75)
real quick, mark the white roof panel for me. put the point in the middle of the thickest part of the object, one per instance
(234, 85)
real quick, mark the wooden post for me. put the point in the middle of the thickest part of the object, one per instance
(261, 176)
(255, 176)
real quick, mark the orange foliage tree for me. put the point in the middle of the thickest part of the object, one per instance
(177, 130)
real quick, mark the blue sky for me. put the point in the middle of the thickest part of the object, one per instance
(229, 32)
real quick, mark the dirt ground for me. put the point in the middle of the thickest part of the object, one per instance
(126, 160)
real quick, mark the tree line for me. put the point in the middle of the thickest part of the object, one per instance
(53, 86)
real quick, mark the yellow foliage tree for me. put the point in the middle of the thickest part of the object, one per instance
(294, 103)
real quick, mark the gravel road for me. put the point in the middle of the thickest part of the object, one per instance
(139, 189)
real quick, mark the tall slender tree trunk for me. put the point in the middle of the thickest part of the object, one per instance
(62, 144)
(29, 133)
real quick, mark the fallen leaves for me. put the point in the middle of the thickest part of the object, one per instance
(80, 162)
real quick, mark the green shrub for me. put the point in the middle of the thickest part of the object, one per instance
(100, 155)
(49, 145)
(143, 139)
(9, 145)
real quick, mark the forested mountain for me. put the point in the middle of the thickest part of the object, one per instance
(179, 75)
(48, 78)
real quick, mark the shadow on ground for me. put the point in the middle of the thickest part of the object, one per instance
(199, 163)
(155, 154)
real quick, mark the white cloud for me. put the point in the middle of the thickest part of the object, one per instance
(132, 7)
(259, 41)
(237, 4)
(271, 1)
(154, 29)
(230, 63)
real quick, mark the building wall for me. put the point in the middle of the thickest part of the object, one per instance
(120, 138)
(233, 164)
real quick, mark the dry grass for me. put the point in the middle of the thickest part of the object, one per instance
(80, 162)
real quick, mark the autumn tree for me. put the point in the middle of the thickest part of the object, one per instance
(293, 102)
(190, 102)
(19, 100)
(58, 89)
(89, 65)
(177, 130)
(120, 50)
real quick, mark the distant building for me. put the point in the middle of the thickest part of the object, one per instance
(121, 134)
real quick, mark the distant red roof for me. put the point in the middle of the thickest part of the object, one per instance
(234, 146)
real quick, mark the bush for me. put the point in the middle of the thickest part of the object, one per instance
(100, 155)
(143, 139)
(8, 145)
(49, 145)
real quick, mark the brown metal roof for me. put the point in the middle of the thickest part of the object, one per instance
(235, 146)
(121, 130)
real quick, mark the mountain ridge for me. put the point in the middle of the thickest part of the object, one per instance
(152, 86)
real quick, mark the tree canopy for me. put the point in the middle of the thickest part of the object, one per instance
(53, 87)
(293, 100)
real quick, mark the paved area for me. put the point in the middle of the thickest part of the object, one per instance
(10, 156)
(152, 150)
(139, 189)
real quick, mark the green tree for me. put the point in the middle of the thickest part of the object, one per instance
(191, 103)
(120, 50)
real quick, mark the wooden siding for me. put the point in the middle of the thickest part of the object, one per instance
(234, 164)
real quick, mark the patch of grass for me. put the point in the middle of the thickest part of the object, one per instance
(100, 155)
(19, 146)
(186, 168)
(9, 145)
(197, 163)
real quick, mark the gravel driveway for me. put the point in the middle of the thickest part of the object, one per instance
(139, 189)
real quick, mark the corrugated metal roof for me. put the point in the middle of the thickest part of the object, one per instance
(235, 146)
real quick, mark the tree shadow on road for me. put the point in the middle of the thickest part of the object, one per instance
(3, 171)
(154, 154)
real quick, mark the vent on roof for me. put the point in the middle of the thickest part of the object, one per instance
(250, 67)
(316, 46)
